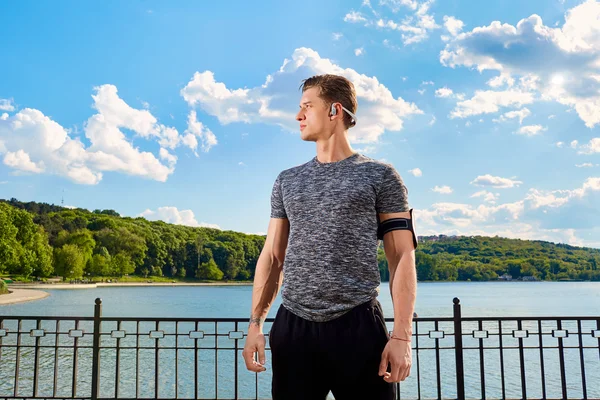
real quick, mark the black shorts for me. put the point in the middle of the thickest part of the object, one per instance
(311, 358)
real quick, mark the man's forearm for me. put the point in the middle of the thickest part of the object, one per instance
(403, 286)
(267, 281)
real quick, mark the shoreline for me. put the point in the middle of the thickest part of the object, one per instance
(75, 286)
(21, 296)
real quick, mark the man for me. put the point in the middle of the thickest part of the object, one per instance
(327, 216)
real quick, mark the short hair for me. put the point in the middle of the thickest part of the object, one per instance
(334, 89)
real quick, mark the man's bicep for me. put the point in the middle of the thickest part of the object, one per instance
(398, 241)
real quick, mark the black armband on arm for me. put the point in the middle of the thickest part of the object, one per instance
(394, 224)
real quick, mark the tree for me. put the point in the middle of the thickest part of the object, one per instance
(210, 271)
(69, 261)
(81, 238)
(101, 264)
(122, 264)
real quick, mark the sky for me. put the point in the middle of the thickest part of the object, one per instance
(184, 111)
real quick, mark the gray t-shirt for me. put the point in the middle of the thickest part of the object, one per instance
(331, 260)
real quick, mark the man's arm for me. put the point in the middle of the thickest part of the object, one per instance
(400, 254)
(268, 275)
(268, 278)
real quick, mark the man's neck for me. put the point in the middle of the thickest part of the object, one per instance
(334, 150)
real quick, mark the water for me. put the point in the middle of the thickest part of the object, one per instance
(508, 299)
(176, 367)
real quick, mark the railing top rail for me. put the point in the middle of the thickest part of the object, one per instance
(243, 320)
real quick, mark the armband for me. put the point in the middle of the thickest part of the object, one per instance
(394, 224)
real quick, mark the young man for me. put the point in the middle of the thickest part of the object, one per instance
(327, 216)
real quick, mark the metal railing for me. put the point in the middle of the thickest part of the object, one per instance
(196, 358)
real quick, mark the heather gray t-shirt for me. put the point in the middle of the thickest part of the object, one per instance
(331, 260)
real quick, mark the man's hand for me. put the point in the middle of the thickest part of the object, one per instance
(398, 353)
(255, 345)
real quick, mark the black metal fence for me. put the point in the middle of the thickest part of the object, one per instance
(183, 358)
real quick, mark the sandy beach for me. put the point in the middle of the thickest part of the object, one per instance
(21, 292)
(22, 295)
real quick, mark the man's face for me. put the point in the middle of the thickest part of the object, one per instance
(313, 116)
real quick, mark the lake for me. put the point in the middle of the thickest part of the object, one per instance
(433, 300)
(492, 299)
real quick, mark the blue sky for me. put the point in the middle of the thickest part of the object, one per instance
(184, 111)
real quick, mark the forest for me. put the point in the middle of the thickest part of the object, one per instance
(39, 240)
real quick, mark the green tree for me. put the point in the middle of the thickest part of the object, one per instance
(122, 264)
(210, 271)
(69, 261)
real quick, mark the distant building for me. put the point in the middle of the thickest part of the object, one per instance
(529, 278)
(505, 277)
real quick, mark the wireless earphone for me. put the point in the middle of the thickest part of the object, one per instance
(334, 112)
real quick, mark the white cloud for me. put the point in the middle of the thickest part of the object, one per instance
(367, 150)
(488, 197)
(443, 92)
(421, 91)
(172, 215)
(521, 114)
(531, 130)
(563, 215)
(559, 198)
(389, 45)
(32, 142)
(416, 172)
(414, 27)
(337, 36)
(359, 52)
(495, 181)
(195, 130)
(396, 5)
(442, 189)
(7, 105)
(574, 144)
(592, 147)
(489, 101)
(168, 157)
(432, 122)
(467, 216)
(425, 83)
(560, 144)
(453, 25)
(20, 160)
(276, 101)
(584, 165)
(501, 80)
(354, 16)
(572, 77)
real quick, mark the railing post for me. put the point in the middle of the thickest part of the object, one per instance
(96, 349)
(458, 350)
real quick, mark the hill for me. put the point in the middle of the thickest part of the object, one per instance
(43, 240)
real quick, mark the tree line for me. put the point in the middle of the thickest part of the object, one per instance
(38, 240)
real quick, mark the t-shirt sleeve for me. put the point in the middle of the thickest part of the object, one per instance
(277, 207)
(392, 194)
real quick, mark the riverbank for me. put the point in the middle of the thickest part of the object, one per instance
(22, 295)
(42, 286)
